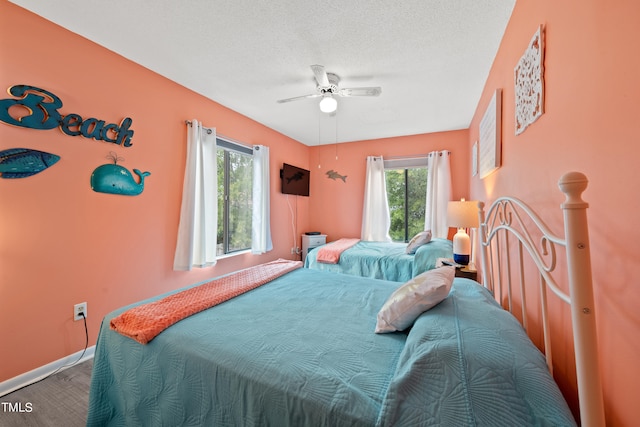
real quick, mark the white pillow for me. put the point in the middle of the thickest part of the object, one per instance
(418, 240)
(413, 298)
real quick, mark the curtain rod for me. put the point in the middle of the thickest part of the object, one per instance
(440, 152)
(415, 156)
(187, 122)
(231, 140)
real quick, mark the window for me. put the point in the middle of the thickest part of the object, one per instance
(406, 181)
(235, 175)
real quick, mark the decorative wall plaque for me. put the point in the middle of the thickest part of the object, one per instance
(529, 83)
(474, 159)
(36, 108)
(491, 136)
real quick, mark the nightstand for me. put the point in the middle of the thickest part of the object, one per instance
(312, 241)
(461, 270)
(467, 273)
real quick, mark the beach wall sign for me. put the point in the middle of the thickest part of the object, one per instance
(40, 111)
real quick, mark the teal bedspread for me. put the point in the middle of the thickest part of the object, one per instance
(387, 261)
(301, 351)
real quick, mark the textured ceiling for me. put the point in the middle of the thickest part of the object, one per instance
(431, 57)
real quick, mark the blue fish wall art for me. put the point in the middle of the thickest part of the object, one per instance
(115, 179)
(23, 162)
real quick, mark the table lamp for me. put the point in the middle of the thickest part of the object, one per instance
(462, 215)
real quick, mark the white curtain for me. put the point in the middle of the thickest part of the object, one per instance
(438, 193)
(376, 219)
(197, 232)
(261, 222)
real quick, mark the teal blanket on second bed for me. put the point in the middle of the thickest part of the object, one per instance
(387, 261)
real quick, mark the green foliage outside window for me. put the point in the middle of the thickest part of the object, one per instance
(235, 180)
(407, 194)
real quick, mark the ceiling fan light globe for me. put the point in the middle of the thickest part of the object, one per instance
(328, 104)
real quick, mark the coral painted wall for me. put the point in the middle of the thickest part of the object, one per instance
(336, 206)
(62, 243)
(589, 125)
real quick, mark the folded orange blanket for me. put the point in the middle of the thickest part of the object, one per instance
(330, 253)
(144, 322)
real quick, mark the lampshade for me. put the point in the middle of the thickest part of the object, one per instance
(462, 214)
(328, 104)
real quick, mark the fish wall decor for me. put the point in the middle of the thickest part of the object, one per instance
(335, 175)
(115, 179)
(24, 162)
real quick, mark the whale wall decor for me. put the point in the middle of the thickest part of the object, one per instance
(115, 179)
(24, 162)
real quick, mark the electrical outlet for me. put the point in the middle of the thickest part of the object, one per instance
(79, 308)
(295, 250)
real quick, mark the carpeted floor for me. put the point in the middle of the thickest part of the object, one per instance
(60, 400)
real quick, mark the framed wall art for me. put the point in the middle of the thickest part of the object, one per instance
(529, 83)
(490, 136)
(474, 159)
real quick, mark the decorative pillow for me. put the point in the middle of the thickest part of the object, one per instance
(413, 298)
(418, 240)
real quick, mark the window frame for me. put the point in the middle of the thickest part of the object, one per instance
(404, 164)
(227, 146)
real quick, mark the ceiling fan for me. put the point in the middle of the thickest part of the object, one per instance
(327, 87)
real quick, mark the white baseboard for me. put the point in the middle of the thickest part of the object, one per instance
(37, 374)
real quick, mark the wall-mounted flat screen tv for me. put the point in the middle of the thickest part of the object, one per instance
(295, 180)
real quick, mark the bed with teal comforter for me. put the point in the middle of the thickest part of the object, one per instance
(301, 351)
(382, 260)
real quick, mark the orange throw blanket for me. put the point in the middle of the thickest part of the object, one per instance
(330, 253)
(144, 322)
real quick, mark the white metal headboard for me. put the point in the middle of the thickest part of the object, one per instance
(511, 226)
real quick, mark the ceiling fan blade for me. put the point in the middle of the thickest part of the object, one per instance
(360, 91)
(321, 75)
(296, 98)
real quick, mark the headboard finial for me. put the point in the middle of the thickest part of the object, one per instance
(573, 185)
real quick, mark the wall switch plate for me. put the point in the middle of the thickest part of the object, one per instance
(79, 308)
